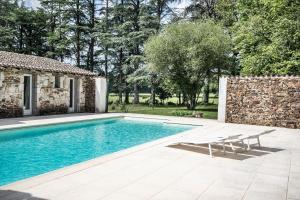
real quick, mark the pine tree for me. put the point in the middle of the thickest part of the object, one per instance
(142, 25)
(30, 31)
(91, 7)
(57, 38)
(160, 11)
(7, 25)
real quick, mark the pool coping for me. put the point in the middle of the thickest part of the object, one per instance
(20, 126)
(71, 169)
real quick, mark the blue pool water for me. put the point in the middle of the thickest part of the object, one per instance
(31, 151)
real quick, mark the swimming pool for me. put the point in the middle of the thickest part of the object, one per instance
(32, 151)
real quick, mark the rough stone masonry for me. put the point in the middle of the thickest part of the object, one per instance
(270, 101)
(47, 99)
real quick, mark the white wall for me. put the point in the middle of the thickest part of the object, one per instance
(100, 100)
(1, 78)
(222, 99)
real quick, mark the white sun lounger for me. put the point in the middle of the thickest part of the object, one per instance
(248, 136)
(237, 138)
(210, 141)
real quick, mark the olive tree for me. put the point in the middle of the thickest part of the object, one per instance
(185, 51)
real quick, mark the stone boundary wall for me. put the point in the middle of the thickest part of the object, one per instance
(270, 101)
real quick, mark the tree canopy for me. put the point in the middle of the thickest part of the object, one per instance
(108, 37)
(267, 36)
(185, 51)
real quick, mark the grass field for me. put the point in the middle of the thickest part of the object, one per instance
(209, 111)
(146, 96)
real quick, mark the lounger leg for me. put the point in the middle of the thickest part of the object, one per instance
(258, 142)
(231, 145)
(210, 152)
(244, 146)
(224, 148)
(249, 148)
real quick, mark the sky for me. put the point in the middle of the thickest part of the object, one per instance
(32, 3)
(36, 3)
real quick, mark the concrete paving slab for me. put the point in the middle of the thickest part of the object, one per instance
(160, 170)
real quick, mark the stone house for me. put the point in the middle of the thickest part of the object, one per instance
(32, 85)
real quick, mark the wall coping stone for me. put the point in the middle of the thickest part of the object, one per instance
(262, 77)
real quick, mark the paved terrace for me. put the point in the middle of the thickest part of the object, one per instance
(163, 170)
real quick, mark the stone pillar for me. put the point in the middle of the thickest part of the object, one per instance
(222, 99)
(100, 92)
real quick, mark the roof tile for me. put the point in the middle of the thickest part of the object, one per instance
(16, 60)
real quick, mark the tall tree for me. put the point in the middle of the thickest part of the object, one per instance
(31, 31)
(202, 9)
(8, 25)
(161, 10)
(75, 26)
(141, 23)
(184, 52)
(267, 36)
(57, 29)
(91, 8)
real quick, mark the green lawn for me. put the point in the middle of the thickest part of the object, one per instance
(209, 111)
(146, 96)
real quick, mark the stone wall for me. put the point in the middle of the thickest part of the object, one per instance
(82, 95)
(89, 87)
(46, 98)
(270, 101)
(11, 93)
(51, 100)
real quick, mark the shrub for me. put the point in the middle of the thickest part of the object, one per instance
(124, 108)
(170, 103)
(198, 114)
(113, 106)
(182, 113)
(155, 102)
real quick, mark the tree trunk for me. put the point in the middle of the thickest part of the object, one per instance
(159, 8)
(152, 102)
(191, 105)
(219, 75)
(106, 56)
(152, 97)
(206, 91)
(61, 53)
(120, 75)
(61, 58)
(77, 33)
(126, 100)
(179, 98)
(53, 26)
(21, 38)
(126, 92)
(136, 50)
(91, 63)
(136, 99)
(184, 99)
(120, 96)
(206, 88)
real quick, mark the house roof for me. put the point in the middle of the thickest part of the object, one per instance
(22, 61)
